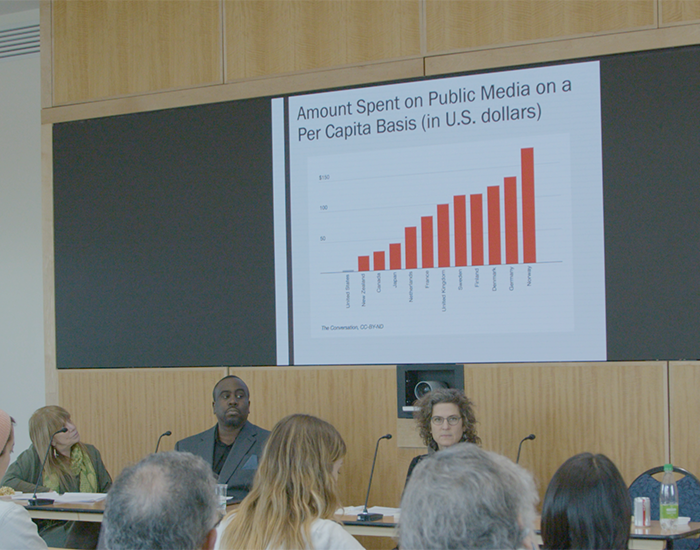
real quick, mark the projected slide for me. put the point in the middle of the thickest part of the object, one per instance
(450, 220)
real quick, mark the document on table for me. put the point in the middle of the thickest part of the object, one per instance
(80, 497)
(65, 498)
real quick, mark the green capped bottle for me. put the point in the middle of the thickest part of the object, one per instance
(668, 499)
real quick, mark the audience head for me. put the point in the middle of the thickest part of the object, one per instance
(296, 483)
(165, 501)
(435, 412)
(7, 440)
(465, 497)
(587, 505)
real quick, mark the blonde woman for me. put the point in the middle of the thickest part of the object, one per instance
(72, 467)
(294, 494)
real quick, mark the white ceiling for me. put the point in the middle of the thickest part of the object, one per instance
(13, 6)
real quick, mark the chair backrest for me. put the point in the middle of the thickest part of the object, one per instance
(688, 497)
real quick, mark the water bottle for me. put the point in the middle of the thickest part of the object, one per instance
(668, 499)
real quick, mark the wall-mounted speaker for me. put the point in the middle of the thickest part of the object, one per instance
(414, 381)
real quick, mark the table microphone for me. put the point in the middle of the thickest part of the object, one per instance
(531, 436)
(365, 515)
(168, 433)
(44, 501)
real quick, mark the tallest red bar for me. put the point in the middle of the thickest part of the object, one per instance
(527, 162)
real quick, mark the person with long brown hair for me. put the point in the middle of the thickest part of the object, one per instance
(294, 494)
(72, 467)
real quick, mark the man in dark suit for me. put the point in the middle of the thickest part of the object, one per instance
(232, 447)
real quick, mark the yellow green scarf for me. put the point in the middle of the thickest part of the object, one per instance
(82, 468)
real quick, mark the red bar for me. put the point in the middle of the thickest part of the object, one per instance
(443, 232)
(426, 240)
(411, 248)
(460, 202)
(493, 194)
(527, 161)
(511, 213)
(379, 261)
(395, 256)
(363, 263)
(477, 225)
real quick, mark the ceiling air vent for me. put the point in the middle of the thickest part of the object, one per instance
(19, 41)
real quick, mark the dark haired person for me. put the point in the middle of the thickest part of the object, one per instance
(586, 506)
(444, 417)
(233, 447)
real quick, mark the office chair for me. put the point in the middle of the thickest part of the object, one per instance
(688, 498)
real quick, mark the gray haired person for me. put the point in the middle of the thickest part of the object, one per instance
(465, 497)
(165, 501)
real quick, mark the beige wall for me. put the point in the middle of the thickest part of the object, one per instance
(129, 56)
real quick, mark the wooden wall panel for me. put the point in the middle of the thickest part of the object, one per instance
(266, 37)
(476, 24)
(48, 264)
(618, 409)
(554, 50)
(679, 11)
(123, 411)
(684, 383)
(105, 49)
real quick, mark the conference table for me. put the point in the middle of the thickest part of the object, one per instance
(81, 511)
(641, 538)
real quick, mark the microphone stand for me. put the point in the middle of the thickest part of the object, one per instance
(44, 501)
(529, 437)
(365, 515)
(168, 434)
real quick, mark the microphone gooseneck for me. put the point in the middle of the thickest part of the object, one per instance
(164, 434)
(365, 515)
(529, 437)
(44, 501)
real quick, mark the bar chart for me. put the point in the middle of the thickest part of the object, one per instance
(405, 255)
(420, 238)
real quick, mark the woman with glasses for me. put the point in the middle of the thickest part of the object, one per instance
(444, 417)
(72, 466)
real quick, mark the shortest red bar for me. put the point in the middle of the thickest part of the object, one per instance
(363, 263)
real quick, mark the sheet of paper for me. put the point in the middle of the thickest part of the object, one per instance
(80, 497)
